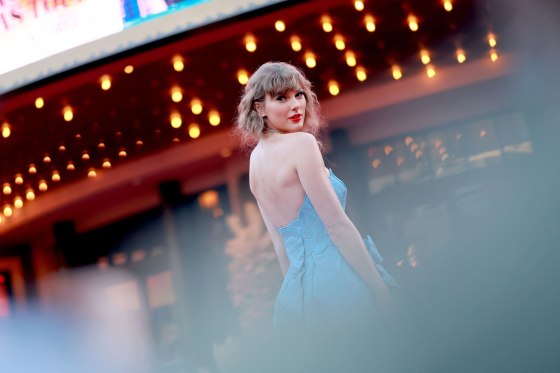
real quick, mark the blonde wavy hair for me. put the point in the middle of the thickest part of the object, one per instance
(273, 78)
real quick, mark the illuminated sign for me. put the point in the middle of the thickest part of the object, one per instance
(40, 38)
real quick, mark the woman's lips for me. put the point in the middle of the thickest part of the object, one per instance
(295, 118)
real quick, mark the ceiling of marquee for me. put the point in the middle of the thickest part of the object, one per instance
(132, 118)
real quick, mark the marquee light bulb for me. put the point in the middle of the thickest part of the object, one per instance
(105, 82)
(493, 55)
(18, 179)
(448, 5)
(339, 42)
(361, 73)
(350, 58)
(327, 23)
(175, 120)
(242, 76)
(369, 21)
(128, 69)
(310, 60)
(29, 194)
(250, 43)
(43, 187)
(425, 56)
(430, 71)
(196, 106)
(461, 56)
(214, 117)
(55, 176)
(8, 211)
(194, 130)
(32, 169)
(70, 166)
(178, 63)
(492, 40)
(412, 22)
(295, 42)
(359, 5)
(334, 89)
(176, 94)
(39, 102)
(396, 72)
(280, 26)
(7, 189)
(6, 131)
(68, 113)
(18, 202)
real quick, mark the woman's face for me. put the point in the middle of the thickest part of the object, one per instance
(285, 111)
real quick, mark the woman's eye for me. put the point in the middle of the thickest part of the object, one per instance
(280, 98)
(299, 94)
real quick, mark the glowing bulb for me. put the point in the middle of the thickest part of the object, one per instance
(32, 169)
(310, 60)
(68, 113)
(128, 69)
(361, 73)
(176, 94)
(397, 72)
(430, 71)
(39, 103)
(339, 42)
(61, 148)
(70, 166)
(334, 89)
(176, 120)
(6, 131)
(18, 202)
(18, 179)
(461, 56)
(85, 156)
(425, 57)
(214, 117)
(30, 194)
(492, 40)
(327, 24)
(350, 58)
(295, 42)
(250, 43)
(178, 63)
(105, 82)
(122, 153)
(92, 172)
(106, 164)
(493, 55)
(196, 106)
(194, 130)
(43, 186)
(412, 22)
(242, 76)
(7, 189)
(139, 142)
(47, 159)
(101, 145)
(448, 5)
(280, 26)
(369, 22)
(359, 5)
(55, 176)
(8, 211)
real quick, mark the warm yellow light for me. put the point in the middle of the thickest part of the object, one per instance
(196, 106)
(397, 72)
(55, 176)
(327, 23)
(61, 148)
(194, 130)
(448, 5)
(350, 58)
(70, 166)
(85, 156)
(106, 163)
(242, 76)
(101, 145)
(209, 199)
(334, 89)
(412, 22)
(339, 42)
(128, 69)
(295, 42)
(430, 71)
(47, 159)
(43, 186)
(92, 172)
(18, 179)
(369, 21)
(139, 142)
(176, 94)
(39, 103)
(176, 120)
(425, 56)
(6, 131)
(214, 117)
(493, 55)
(122, 153)
(361, 73)
(280, 26)
(32, 169)
(461, 56)
(6, 189)
(310, 60)
(178, 63)
(492, 40)
(105, 82)
(68, 113)
(30, 194)
(250, 43)
(8, 211)
(359, 5)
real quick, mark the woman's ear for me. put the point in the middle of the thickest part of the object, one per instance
(259, 108)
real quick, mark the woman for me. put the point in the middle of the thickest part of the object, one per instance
(329, 276)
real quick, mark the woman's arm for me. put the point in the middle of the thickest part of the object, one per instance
(277, 242)
(311, 172)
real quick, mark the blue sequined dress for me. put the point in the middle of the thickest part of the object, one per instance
(320, 287)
